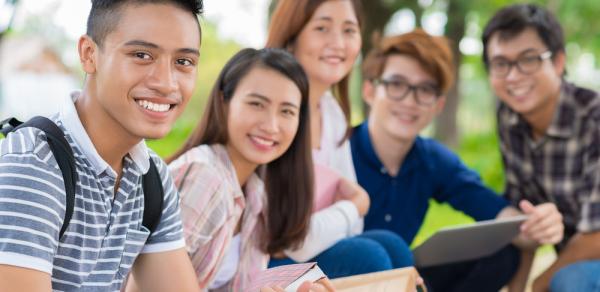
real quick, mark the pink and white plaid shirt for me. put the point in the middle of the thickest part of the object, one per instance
(212, 204)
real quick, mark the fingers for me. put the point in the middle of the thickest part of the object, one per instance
(323, 285)
(544, 224)
(526, 206)
(419, 282)
(274, 289)
(305, 287)
(535, 213)
(326, 284)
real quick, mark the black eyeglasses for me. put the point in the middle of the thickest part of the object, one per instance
(424, 94)
(527, 64)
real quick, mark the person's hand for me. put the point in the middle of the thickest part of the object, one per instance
(323, 285)
(353, 192)
(544, 223)
(419, 282)
(272, 289)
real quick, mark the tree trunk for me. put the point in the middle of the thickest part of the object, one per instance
(376, 15)
(446, 129)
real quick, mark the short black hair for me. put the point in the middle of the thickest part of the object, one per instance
(514, 19)
(104, 15)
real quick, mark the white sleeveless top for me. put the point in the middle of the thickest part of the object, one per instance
(229, 265)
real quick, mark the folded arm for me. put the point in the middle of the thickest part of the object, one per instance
(163, 271)
(14, 278)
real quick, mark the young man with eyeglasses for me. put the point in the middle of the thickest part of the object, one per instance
(406, 78)
(549, 138)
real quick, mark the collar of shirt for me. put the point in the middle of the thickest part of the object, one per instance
(562, 125)
(254, 187)
(70, 118)
(416, 157)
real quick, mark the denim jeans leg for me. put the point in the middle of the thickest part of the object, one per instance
(580, 276)
(348, 257)
(396, 247)
(353, 256)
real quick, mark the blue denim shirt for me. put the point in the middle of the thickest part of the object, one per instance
(430, 170)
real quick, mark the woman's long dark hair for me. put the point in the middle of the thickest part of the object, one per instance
(289, 178)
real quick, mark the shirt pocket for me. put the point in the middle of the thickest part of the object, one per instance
(134, 243)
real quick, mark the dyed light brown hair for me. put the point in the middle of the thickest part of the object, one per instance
(432, 52)
(288, 19)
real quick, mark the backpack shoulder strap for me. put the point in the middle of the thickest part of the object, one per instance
(62, 152)
(153, 197)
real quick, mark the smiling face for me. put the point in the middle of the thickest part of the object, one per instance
(262, 118)
(144, 74)
(329, 43)
(526, 94)
(400, 120)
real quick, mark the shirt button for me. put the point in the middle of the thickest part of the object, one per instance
(388, 218)
(383, 170)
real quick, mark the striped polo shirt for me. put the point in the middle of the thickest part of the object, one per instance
(105, 234)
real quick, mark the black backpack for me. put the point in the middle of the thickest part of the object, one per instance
(151, 182)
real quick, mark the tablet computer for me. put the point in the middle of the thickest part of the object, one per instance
(467, 242)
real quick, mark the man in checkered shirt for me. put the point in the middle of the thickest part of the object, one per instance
(549, 138)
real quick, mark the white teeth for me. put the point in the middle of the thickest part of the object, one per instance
(155, 107)
(333, 59)
(407, 117)
(263, 142)
(519, 91)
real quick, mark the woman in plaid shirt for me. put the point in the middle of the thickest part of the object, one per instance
(245, 174)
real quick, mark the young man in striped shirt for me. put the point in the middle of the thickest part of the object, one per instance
(140, 58)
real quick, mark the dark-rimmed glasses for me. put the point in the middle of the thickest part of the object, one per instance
(527, 64)
(424, 94)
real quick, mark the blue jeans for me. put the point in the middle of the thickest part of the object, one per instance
(487, 274)
(372, 251)
(579, 276)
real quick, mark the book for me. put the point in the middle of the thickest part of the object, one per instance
(290, 277)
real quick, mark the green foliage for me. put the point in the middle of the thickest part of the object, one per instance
(214, 53)
(169, 144)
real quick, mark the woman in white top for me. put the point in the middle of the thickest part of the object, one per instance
(325, 38)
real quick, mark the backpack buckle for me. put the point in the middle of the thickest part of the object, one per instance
(8, 125)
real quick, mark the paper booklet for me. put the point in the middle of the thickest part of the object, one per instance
(290, 277)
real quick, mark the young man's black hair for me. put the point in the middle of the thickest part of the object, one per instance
(513, 19)
(104, 15)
